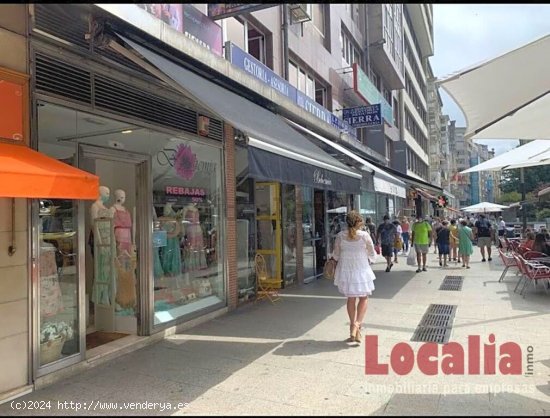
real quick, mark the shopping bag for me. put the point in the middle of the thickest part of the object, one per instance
(411, 258)
(329, 269)
(398, 245)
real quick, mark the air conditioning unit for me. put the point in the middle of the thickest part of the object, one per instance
(299, 13)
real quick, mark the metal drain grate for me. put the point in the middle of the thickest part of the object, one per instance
(452, 283)
(436, 324)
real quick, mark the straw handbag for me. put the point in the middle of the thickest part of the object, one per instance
(329, 269)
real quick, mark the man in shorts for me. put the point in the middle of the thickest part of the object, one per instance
(386, 234)
(483, 232)
(421, 234)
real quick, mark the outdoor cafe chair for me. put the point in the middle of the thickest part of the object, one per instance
(532, 271)
(508, 260)
(265, 287)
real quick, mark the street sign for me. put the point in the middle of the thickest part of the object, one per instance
(360, 116)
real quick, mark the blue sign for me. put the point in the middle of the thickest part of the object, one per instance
(361, 116)
(263, 73)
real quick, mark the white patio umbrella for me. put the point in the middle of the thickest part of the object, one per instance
(484, 207)
(531, 154)
(507, 97)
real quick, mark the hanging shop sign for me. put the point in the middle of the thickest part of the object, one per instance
(257, 69)
(361, 116)
(369, 93)
(187, 19)
(223, 10)
(442, 201)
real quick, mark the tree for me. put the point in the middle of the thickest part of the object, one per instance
(535, 178)
(509, 197)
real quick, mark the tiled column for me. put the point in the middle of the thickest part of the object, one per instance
(230, 242)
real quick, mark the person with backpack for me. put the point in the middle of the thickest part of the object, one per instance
(386, 234)
(443, 243)
(483, 233)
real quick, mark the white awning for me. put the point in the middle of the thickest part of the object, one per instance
(531, 154)
(507, 97)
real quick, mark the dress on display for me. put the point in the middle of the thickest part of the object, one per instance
(171, 257)
(126, 282)
(354, 276)
(123, 230)
(195, 254)
(104, 252)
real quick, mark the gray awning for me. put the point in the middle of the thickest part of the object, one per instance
(267, 132)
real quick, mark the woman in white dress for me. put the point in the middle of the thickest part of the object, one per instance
(354, 251)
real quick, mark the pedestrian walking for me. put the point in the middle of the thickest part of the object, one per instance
(421, 233)
(453, 240)
(501, 226)
(371, 228)
(443, 243)
(398, 244)
(483, 234)
(406, 228)
(465, 247)
(436, 223)
(386, 235)
(354, 252)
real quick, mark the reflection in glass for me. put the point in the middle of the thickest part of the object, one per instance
(289, 233)
(187, 191)
(58, 280)
(338, 207)
(246, 238)
(309, 231)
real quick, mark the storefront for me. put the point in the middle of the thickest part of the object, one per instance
(147, 253)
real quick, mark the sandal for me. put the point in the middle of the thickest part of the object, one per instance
(358, 333)
(352, 333)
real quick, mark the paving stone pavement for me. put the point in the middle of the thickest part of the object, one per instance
(291, 358)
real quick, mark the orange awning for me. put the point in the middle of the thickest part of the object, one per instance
(30, 174)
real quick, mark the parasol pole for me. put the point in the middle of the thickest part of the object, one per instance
(522, 188)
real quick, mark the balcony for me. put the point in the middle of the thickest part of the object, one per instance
(421, 27)
(381, 57)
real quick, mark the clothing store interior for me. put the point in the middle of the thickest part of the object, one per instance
(187, 198)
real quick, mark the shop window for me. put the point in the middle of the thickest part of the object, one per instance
(187, 199)
(289, 233)
(246, 224)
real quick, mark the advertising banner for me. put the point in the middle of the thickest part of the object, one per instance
(190, 21)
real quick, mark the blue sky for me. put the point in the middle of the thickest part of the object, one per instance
(465, 34)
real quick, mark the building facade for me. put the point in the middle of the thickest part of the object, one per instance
(209, 142)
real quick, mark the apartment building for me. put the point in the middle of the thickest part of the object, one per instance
(435, 105)
(418, 46)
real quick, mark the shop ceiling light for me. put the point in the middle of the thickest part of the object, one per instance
(127, 131)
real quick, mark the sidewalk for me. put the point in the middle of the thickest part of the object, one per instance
(291, 358)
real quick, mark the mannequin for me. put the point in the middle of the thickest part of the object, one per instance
(171, 255)
(125, 262)
(195, 252)
(98, 209)
(101, 234)
(122, 222)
